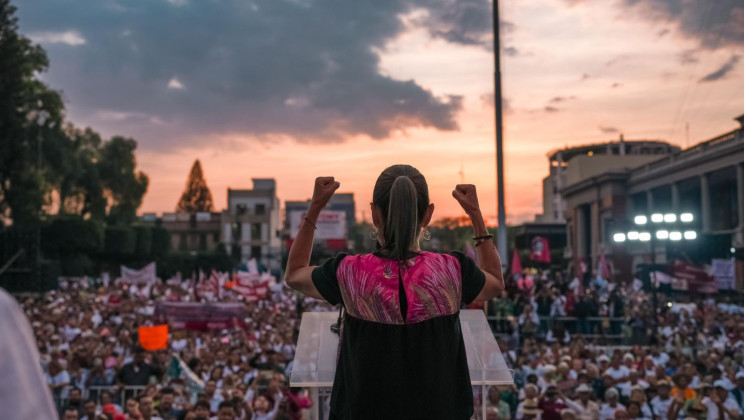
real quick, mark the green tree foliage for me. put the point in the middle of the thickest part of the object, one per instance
(196, 197)
(47, 166)
(120, 242)
(161, 242)
(143, 247)
(72, 235)
(29, 113)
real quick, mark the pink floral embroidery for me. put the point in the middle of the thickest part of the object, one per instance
(369, 287)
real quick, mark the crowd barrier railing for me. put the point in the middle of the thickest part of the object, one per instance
(119, 394)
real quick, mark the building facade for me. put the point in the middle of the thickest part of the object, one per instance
(570, 165)
(706, 180)
(197, 232)
(251, 224)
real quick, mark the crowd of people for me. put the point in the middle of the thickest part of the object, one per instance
(687, 362)
(96, 368)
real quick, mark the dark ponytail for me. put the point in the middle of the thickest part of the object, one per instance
(402, 195)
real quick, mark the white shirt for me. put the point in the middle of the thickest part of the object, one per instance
(729, 404)
(24, 394)
(608, 413)
(620, 372)
(661, 407)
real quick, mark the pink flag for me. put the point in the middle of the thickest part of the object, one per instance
(604, 268)
(516, 265)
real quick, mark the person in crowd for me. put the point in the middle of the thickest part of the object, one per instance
(138, 372)
(70, 413)
(225, 411)
(661, 402)
(90, 408)
(201, 408)
(146, 408)
(612, 404)
(681, 386)
(583, 406)
(266, 407)
(494, 400)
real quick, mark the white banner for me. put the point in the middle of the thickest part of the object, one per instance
(331, 224)
(146, 275)
(723, 271)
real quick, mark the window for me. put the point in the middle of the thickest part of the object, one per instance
(202, 242)
(241, 209)
(256, 231)
(256, 252)
(235, 228)
(216, 237)
(260, 209)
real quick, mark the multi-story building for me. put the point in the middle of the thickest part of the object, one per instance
(570, 165)
(706, 180)
(189, 232)
(251, 224)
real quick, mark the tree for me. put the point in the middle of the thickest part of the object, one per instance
(196, 197)
(123, 186)
(29, 112)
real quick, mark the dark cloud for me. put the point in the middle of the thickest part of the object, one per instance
(616, 85)
(608, 130)
(166, 71)
(688, 57)
(559, 99)
(714, 23)
(722, 71)
(584, 77)
(510, 51)
(467, 22)
(551, 109)
(662, 32)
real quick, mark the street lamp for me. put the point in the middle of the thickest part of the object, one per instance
(663, 226)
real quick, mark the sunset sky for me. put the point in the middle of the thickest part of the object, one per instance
(294, 89)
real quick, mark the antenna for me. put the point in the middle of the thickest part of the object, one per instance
(687, 135)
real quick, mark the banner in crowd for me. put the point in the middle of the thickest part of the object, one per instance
(146, 275)
(201, 316)
(604, 267)
(331, 224)
(180, 370)
(252, 286)
(516, 265)
(724, 273)
(540, 250)
(154, 338)
(695, 278)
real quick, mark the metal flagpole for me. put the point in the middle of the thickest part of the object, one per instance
(501, 234)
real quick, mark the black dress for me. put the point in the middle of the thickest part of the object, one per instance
(401, 354)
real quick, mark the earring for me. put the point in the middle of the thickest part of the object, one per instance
(373, 234)
(427, 234)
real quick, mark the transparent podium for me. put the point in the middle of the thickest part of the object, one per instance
(315, 359)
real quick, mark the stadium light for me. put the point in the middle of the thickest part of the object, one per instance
(633, 235)
(644, 236)
(675, 236)
(640, 220)
(662, 234)
(685, 217)
(690, 235)
(619, 237)
(670, 218)
(657, 217)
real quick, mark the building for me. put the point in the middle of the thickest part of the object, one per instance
(570, 165)
(706, 180)
(197, 232)
(251, 224)
(342, 203)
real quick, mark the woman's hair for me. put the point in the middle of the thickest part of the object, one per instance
(402, 195)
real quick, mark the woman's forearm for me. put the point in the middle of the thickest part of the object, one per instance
(488, 258)
(302, 247)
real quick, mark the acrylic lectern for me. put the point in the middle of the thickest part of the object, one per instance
(314, 364)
